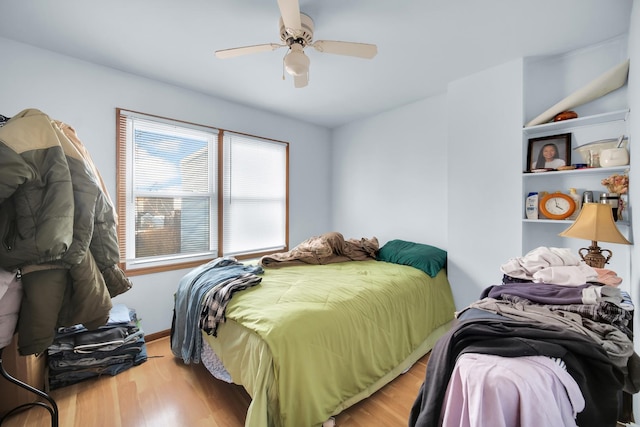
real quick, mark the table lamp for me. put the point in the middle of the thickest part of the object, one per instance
(595, 222)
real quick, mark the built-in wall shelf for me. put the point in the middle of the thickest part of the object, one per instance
(568, 125)
(549, 221)
(566, 222)
(545, 232)
(579, 172)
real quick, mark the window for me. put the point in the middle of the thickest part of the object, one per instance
(255, 195)
(189, 193)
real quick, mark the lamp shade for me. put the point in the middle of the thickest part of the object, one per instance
(296, 62)
(595, 222)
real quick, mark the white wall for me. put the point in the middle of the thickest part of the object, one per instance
(390, 175)
(443, 171)
(489, 108)
(85, 96)
(485, 203)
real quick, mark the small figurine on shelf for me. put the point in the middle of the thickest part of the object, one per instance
(617, 185)
(565, 115)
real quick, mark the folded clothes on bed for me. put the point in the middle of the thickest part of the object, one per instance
(607, 277)
(541, 293)
(618, 346)
(537, 259)
(595, 294)
(550, 265)
(538, 292)
(566, 275)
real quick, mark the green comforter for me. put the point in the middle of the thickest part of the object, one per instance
(312, 340)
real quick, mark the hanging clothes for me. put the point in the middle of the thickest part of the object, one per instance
(57, 227)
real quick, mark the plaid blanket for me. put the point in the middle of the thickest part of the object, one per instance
(216, 300)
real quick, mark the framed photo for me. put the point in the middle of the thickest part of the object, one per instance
(549, 152)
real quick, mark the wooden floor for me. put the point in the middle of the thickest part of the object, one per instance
(165, 392)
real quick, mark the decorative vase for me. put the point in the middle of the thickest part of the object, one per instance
(612, 199)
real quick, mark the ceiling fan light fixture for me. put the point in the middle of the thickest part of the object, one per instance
(296, 62)
(296, 33)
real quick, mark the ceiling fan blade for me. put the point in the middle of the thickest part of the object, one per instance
(361, 50)
(290, 12)
(237, 51)
(301, 80)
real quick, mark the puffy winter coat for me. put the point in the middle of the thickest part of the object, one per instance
(54, 215)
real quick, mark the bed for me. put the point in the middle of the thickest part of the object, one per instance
(554, 334)
(311, 339)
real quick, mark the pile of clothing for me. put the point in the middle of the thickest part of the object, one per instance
(555, 334)
(78, 354)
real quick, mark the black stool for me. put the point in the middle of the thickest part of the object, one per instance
(51, 406)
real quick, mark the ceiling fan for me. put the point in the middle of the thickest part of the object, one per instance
(296, 32)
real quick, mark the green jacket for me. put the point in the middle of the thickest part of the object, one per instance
(55, 215)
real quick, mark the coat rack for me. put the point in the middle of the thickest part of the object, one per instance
(50, 404)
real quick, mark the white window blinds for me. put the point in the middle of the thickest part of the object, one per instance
(254, 195)
(189, 193)
(171, 202)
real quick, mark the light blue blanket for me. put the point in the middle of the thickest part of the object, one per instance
(186, 340)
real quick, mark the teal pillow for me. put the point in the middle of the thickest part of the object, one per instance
(424, 257)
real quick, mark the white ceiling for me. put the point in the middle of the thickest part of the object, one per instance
(422, 44)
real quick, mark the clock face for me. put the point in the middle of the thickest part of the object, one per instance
(557, 206)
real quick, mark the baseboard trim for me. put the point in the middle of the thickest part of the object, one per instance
(157, 335)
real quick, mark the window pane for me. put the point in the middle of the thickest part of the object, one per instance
(255, 192)
(168, 193)
(256, 226)
(169, 161)
(171, 192)
(167, 226)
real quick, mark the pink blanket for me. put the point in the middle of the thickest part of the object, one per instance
(529, 391)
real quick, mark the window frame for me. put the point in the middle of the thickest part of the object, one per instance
(124, 180)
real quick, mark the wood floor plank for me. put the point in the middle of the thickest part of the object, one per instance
(165, 392)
